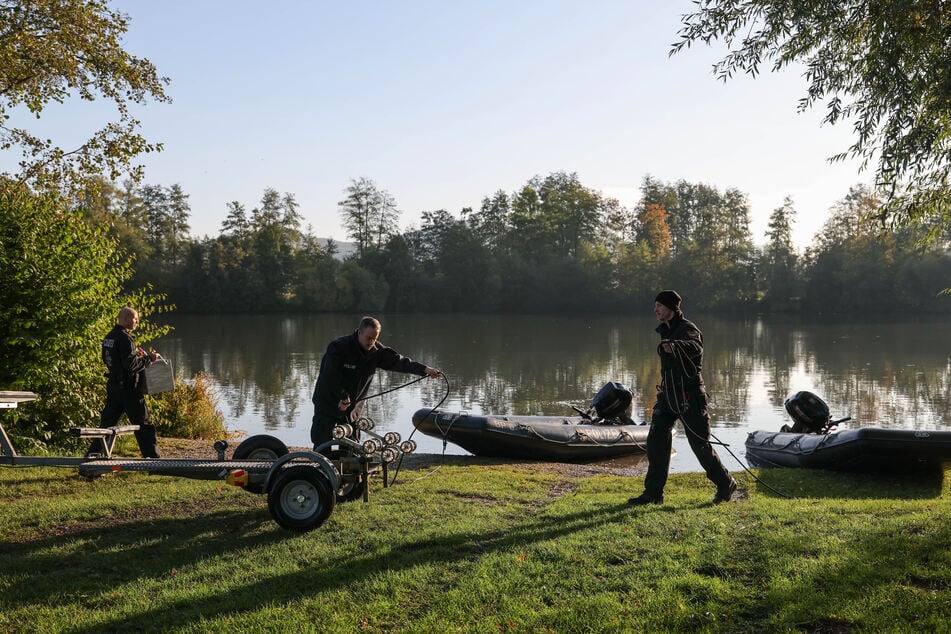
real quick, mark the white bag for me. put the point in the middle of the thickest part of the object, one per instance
(158, 377)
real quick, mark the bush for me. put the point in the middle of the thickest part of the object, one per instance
(61, 282)
(189, 411)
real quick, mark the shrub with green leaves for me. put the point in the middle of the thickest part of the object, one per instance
(189, 411)
(61, 282)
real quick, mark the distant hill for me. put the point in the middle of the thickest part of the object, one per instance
(344, 249)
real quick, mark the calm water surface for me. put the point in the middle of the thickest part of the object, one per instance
(883, 374)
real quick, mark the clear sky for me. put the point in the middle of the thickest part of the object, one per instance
(442, 103)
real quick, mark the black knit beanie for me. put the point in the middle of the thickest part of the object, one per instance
(670, 299)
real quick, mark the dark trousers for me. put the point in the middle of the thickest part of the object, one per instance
(660, 440)
(130, 402)
(321, 429)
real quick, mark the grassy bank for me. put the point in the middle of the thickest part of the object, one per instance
(480, 549)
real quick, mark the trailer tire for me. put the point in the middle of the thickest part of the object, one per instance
(301, 498)
(348, 491)
(259, 447)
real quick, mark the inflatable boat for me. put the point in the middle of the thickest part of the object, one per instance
(813, 443)
(861, 449)
(551, 438)
(605, 430)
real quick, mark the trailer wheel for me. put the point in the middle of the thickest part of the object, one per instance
(352, 490)
(259, 447)
(300, 498)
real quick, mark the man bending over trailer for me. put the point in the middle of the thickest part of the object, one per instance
(125, 389)
(346, 371)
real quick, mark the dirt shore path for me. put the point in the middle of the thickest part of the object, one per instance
(628, 466)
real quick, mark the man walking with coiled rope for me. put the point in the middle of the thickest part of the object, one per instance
(681, 394)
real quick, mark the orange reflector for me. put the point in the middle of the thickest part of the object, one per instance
(116, 468)
(237, 477)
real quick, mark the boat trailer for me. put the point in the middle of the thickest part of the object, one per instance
(302, 487)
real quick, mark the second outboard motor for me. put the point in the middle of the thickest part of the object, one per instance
(614, 401)
(810, 414)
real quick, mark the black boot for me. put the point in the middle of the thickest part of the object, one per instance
(725, 494)
(643, 499)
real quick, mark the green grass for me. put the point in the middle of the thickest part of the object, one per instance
(478, 549)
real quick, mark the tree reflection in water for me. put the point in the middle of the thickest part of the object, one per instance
(883, 374)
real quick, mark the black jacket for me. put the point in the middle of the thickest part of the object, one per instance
(346, 370)
(120, 354)
(681, 367)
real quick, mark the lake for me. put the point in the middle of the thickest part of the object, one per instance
(889, 374)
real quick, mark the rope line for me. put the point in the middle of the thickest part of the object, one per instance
(392, 389)
(399, 463)
(690, 371)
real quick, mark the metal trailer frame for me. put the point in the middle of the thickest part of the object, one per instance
(302, 486)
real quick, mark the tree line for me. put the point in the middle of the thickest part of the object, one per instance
(554, 245)
(74, 247)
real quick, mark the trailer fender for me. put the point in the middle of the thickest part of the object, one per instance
(307, 456)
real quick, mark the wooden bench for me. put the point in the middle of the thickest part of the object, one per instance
(107, 435)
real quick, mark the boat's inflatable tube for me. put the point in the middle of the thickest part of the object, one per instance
(862, 449)
(552, 438)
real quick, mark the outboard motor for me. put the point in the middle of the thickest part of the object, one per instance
(810, 414)
(613, 401)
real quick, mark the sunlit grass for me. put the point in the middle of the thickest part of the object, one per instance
(476, 549)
